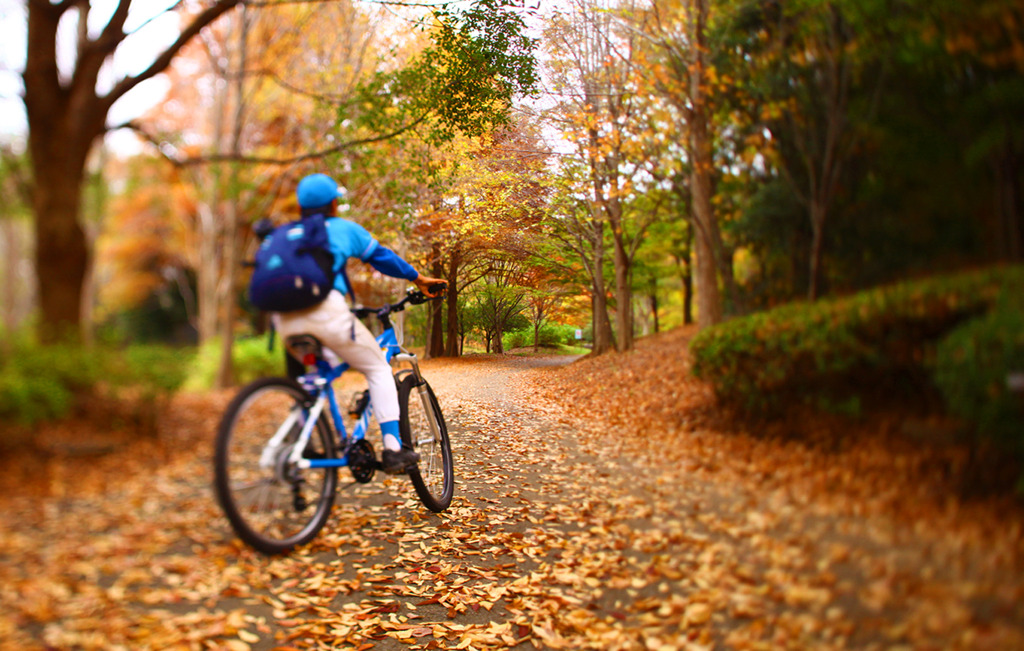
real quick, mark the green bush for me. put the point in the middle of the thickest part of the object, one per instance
(971, 369)
(254, 360)
(41, 382)
(251, 356)
(830, 352)
(550, 335)
(153, 368)
(28, 399)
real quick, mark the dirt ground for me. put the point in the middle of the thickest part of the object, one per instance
(599, 505)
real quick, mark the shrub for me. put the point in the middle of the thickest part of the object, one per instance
(550, 335)
(251, 356)
(829, 352)
(45, 382)
(40, 382)
(971, 369)
(28, 399)
(254, 360)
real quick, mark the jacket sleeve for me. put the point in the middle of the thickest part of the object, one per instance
(388, 263)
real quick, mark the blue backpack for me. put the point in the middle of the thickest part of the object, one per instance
(293, 269)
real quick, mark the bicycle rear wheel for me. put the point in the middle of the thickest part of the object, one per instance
(423, 428)
(272, 504)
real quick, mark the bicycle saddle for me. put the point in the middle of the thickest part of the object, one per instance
(305, 348)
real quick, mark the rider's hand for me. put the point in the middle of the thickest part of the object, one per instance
(432, 287)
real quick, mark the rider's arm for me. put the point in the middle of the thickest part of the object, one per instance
(388, 263)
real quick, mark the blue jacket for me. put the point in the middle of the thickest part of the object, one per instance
(347, 239)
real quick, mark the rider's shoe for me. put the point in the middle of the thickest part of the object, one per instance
(395, 462)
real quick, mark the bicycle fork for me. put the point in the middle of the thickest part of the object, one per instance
(421, 389)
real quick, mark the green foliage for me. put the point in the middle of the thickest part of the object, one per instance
(972, 367)
(157, 370)
(826, 352)
(478, 61)
(550, 336)
(29, 398)
(40, 383)
(931, 86)
(252, 359)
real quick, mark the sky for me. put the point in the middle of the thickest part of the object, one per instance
(155, 31)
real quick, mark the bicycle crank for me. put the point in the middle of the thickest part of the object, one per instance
(362, 461)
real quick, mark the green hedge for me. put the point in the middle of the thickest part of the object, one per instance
(40, 382)
(972, 368)
(832, 352)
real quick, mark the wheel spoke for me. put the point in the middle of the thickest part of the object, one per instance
(255, 477)
(423, 427)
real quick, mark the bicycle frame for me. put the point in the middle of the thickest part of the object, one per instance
(320, 386)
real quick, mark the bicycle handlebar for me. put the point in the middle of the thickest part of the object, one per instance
(412, 297)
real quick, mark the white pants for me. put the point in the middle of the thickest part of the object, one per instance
(333, 323)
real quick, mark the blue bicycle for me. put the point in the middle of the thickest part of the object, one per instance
(278, 453)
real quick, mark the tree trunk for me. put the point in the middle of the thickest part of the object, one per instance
(435, 338)
(685, 262)
(453, 349)
(654, 306)
(93, 209)
(602, 325)
(1008, 205)
(709, 299)
(62, 255)
(623, 284)
(63, 122)
(603, 339)
(210, 265)
(65, 118)
(225, 376)
(499, 346)
(818, 215)
(10, 282)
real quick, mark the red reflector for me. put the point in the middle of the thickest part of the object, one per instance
(309, 359)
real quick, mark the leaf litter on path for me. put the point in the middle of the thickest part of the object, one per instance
(594, 509)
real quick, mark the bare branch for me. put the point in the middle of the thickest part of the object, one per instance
(161, 63)
(281, 3)
(162, 147)
(337, 100)
(138, 29)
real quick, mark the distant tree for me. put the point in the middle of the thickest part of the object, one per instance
(684, 74)
(16, 288)
(465, 81)
(500, 301)
(577, 246)
(67, 115)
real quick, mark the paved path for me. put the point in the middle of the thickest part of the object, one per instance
(555, 540)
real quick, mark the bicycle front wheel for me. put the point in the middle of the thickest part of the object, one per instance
(423, 429)
(271, 503)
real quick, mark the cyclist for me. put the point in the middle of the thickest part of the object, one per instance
(332, 321)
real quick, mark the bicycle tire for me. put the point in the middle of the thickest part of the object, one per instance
(434, 475)
(245, 488)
